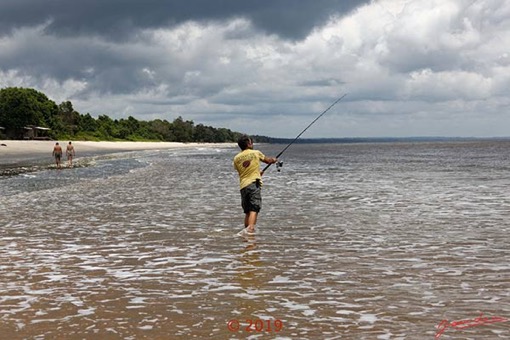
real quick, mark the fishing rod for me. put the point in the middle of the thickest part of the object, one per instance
(279, 164)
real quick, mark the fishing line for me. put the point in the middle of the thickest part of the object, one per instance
(279, 164)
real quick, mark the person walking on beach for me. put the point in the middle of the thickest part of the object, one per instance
(57, 153)
(70, 154)
(247, 164)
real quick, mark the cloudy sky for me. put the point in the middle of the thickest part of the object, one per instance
(269, 67)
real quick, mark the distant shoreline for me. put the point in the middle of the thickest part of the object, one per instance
(352, 140)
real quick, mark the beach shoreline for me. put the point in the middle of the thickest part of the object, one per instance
(19, 155)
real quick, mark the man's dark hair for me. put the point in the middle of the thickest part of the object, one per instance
(243, 142)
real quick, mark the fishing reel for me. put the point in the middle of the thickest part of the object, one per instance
(279, 166)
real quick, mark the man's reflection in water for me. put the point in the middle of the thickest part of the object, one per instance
(251, 267)
(252, 277)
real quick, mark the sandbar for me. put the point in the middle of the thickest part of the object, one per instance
(20, 153)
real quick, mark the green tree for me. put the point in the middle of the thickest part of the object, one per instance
(106, 128)
(21, 107)
(203, 134)
(87, 123)
(46, 107)
(162, 128)
(68, 120)
(182, 130)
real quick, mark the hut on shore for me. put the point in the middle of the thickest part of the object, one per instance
(36, 133)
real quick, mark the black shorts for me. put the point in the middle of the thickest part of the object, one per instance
(251, 198)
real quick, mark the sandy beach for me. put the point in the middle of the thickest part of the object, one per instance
(21, 153)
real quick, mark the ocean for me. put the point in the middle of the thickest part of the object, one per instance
(396, 240)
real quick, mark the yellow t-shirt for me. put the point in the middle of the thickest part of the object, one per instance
(247, 164)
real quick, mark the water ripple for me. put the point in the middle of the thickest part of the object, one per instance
(354, 241)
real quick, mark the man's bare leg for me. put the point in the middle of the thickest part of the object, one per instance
(250, 220)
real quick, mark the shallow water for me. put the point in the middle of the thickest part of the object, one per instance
(355, 241)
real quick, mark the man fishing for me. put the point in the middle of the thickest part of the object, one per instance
(247, 164)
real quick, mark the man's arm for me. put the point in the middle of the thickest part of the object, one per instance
(270, 160)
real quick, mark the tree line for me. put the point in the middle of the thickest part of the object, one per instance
(22, 107)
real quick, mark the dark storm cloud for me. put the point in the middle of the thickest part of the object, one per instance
(118, 19)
